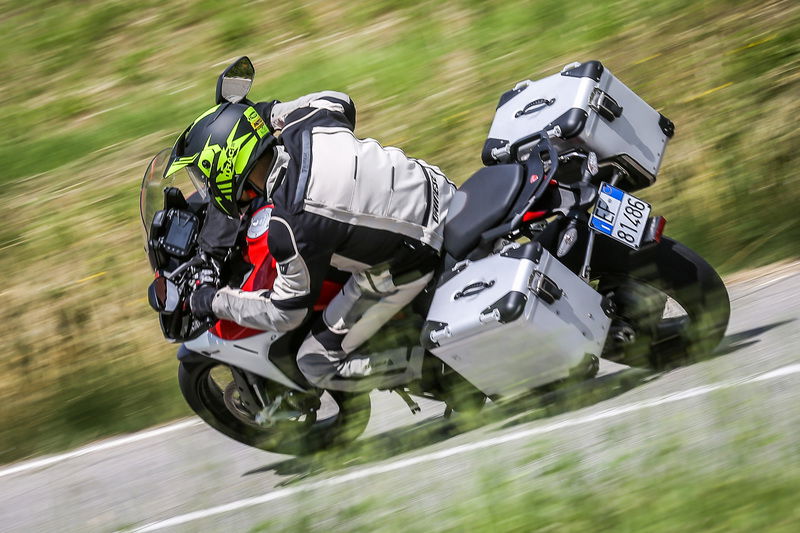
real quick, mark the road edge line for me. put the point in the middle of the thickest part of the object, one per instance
(100, 446)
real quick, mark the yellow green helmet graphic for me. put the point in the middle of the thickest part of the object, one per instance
(219, 149)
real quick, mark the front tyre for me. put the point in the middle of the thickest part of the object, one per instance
(671, 305)
(209, 389)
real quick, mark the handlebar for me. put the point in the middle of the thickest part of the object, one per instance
(194, 261)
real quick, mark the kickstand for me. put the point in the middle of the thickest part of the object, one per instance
(414, 406)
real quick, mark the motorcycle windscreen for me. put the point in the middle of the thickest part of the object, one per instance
(151, 196)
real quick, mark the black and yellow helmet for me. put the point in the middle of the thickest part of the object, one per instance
(219, 149)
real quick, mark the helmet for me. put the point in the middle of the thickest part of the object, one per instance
(219, 149)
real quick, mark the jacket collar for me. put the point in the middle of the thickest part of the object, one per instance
(280, 160)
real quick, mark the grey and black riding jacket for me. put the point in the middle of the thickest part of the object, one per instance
(339, 202)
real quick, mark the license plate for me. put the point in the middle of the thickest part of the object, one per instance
(619, 215)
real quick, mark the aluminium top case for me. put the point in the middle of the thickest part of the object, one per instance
(594, 111)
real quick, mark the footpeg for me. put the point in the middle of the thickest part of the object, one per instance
(414, 406)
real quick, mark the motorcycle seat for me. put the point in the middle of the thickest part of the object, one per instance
(481, 203)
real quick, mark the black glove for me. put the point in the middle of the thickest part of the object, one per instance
(200, 301)
(208, 271)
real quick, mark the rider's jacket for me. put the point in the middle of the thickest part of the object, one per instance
(340, 202)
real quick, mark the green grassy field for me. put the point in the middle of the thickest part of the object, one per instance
(681, 500)
(567, 499)
(730, 468)
(92, 89)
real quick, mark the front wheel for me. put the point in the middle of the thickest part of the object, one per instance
(299, 427)
(671, 305)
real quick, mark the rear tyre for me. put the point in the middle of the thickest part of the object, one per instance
(341, 418)
(641, 284)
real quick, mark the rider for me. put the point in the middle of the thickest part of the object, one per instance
(339, 202)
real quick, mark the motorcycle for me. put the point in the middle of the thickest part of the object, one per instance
(549, 264)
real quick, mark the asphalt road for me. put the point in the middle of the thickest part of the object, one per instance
(187, 477)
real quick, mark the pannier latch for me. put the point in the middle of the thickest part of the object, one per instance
(440, 334)
(604, 104)
(544, 288)
(492, 316)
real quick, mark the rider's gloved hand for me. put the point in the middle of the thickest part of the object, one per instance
(206, 282)
(206, 276)
(209, 271)
(201, 299)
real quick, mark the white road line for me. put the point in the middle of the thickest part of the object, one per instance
(764, 285)
(100, 446)
(777, 373)
(435, 456)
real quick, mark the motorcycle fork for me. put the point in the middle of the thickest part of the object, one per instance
(263, 404)
(249, 390)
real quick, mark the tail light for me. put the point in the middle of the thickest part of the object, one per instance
(654, 229)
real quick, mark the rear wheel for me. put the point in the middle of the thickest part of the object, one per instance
(671, 305)
(300, 424)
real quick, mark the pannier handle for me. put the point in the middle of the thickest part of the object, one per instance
(473, 289)
(529, 107)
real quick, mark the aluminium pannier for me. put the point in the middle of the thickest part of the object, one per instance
(515, 320)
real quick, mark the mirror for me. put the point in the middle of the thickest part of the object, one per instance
(163, 295)
(235, 81)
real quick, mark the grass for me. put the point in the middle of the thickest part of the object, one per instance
(94, 89)
(727, 476)
(680, 501)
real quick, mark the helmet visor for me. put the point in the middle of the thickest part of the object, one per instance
(151, 197)
(198, 180)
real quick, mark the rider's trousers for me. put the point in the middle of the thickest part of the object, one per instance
(329, 357)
